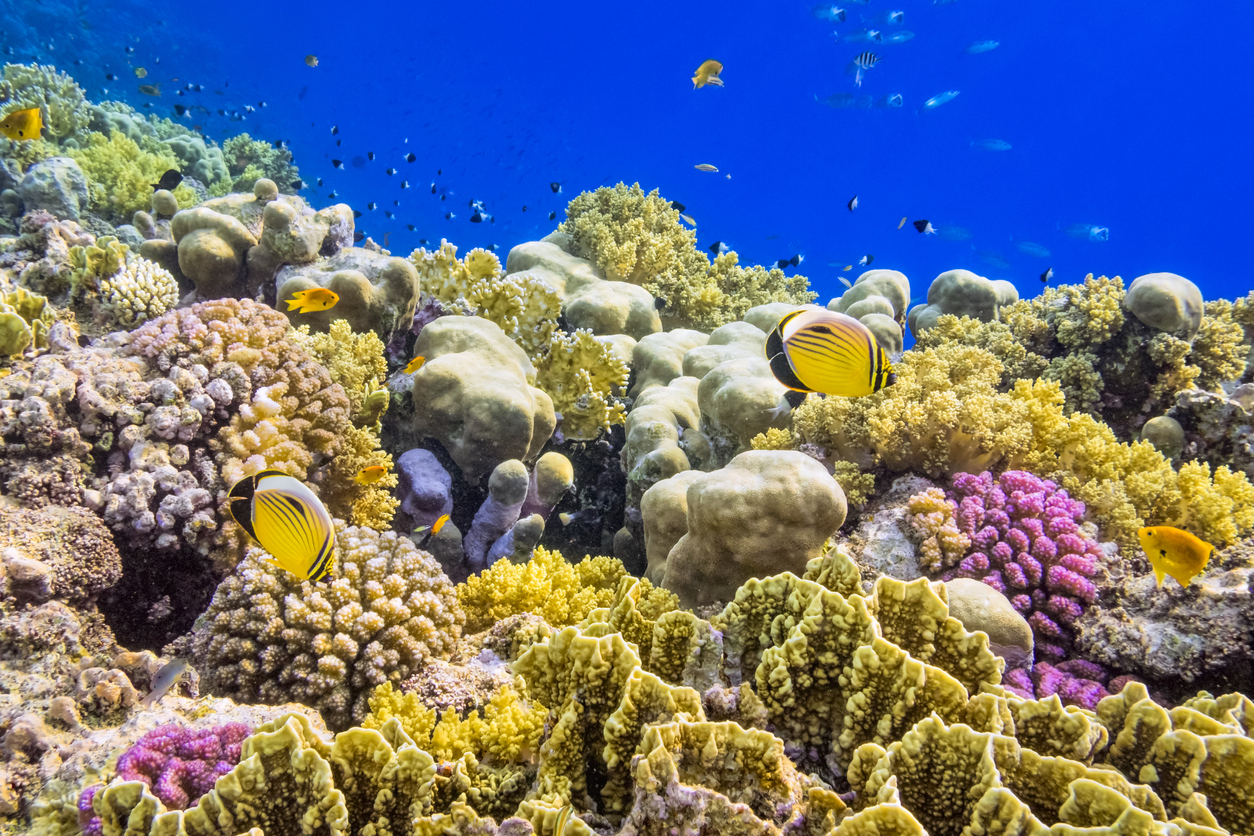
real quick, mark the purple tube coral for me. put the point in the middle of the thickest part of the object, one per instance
(1026, 543)
(179, 764)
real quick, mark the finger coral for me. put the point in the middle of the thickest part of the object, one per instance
(269, 636)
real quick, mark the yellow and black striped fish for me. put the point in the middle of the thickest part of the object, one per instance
(288, 520)
(816, 350)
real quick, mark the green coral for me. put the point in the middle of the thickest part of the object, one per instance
(120, 173)
(25, 318)
(248, 160)
(60, 100)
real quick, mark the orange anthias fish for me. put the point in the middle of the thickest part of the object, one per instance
(414, 365)
(21, 125)
(707, 73)
(312, 300)
(370, 475)
(431, 530)
(1174, 552)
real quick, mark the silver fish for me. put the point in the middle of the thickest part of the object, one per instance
(991, 144)
(1090, 232)
(899, 37)
(1028, 248)
(953, 233)
(164, 681)
(940, 99)
(891, 100)
(981, 46)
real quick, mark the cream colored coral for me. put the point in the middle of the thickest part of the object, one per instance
(141, 290)
(932, 516)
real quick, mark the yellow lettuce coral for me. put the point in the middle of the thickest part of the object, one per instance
(560, 592)
(525, 306)
(120, 173)
(586, 379)
(507, 729)
(638, 238)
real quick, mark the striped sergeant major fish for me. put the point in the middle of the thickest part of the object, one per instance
(862, 63)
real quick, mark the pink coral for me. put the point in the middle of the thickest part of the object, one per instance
(1026, 542)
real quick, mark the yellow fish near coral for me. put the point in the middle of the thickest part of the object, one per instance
(370, 475)
(707, 73)
(415, 364)
(314, 299)
(1174, 552)
(21, 125)
(817, 350)
(288, 520)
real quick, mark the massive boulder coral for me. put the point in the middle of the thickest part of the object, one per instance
(476, 394)
(764, 512)
(272, 637)
(962, 293)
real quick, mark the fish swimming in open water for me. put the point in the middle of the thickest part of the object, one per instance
(1174, 552)
(707, 73)
(288, 520)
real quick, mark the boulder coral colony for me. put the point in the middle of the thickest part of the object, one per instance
(925, 610)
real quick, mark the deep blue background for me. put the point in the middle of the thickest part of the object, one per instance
(1130, 115)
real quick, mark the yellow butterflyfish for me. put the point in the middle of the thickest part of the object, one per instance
(288, 520)
(817, 350)
(1174, 552)
(21, 125)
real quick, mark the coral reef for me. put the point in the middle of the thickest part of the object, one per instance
(61, 101)
(271, 637)
(585, 377)
(120, 173)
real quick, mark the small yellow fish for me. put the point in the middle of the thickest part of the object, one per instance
(707, 73)
(370, 475)
(288, 520)
(415, 364)
(140, 72)
(689, 219)
(563, 818)
(432, 529)
(314, 299)
(21, 125)
(705, 167)
(903, 223)
(150, 89)
(1174, 552)
(311, 60)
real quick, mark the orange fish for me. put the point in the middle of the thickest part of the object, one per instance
(415, 364)
(21, 125)
(370, 475)
(707, 73)
(314, 299)
(431, 530)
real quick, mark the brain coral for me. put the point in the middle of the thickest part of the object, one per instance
(271, 637)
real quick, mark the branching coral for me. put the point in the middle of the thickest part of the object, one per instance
(638, 238)
(273, 637)
(586, 379)
(61, 101)
(525, 306)
(249, 160)
(138, 292)
(121, 173)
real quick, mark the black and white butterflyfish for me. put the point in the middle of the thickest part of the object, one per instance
(289, 521)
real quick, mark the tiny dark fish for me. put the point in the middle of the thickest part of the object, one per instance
(338, 143)
(439, 172)
(552, 215)
(404, 184)
(866, 260)
(358, 237)
(524, 207)
(337, 163)
(319, 181)
(180, 110)
(853, 203)
(389, 214)
(925, 227)
(433, 188)
(391, 171)
(110, 77)
(335, 129)
(1047, 275)
(356, 213)
(410, 227)
(370, 155)
(332, 196)
(659, 303)
(448, 216)
(169, 181)
(423, 241)
(718, 248)
(409, 158)
(298, 185)
(372, 206)
(784, 263)
(358, 162)
(677, 206)
(556, 187)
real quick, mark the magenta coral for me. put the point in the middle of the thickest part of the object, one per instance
(181, 765)
(1026, 543)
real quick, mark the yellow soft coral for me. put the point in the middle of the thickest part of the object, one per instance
(586, 378)
(998, 338)
(774, 439)
(120, 173)
(638, 238)
(1218, 348)
(525, 306)
(548, 585)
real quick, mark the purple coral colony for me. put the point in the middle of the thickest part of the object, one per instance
(586, 573)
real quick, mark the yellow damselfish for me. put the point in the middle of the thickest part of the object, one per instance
(817, 350)
(707, 73)
(414, 365)
(21, 125)
(370, 475)
(288, 520)
(1174, 552)
(314, 299)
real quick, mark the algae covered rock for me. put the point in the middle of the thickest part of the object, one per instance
(57, 185)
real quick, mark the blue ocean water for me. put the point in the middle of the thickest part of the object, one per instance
(1129, 116)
